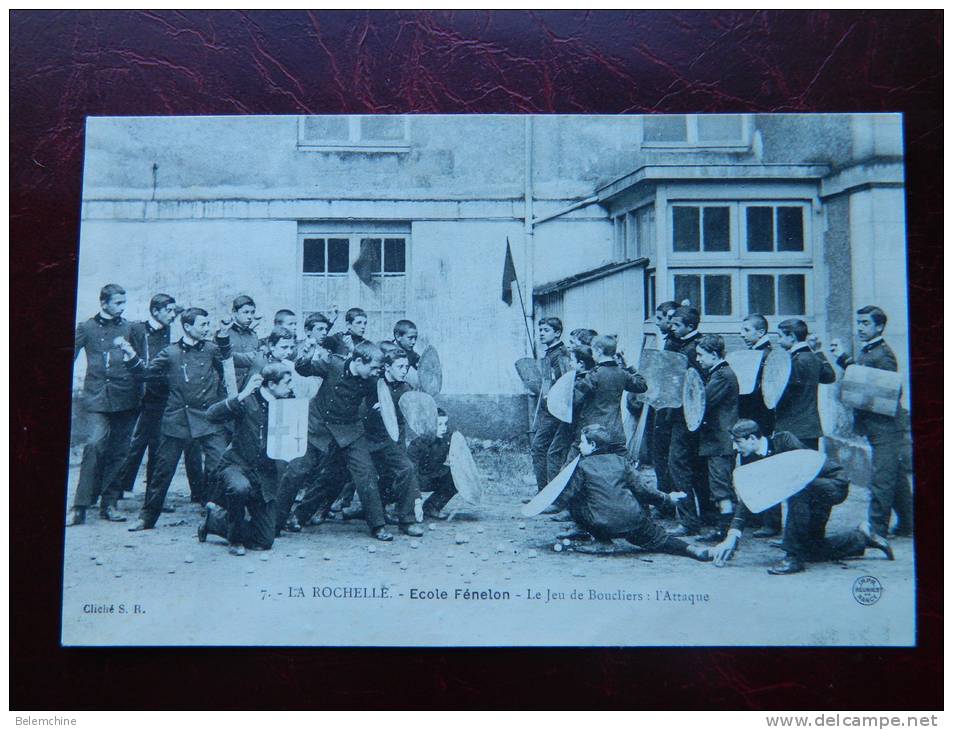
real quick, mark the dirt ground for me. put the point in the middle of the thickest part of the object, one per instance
(489, 544)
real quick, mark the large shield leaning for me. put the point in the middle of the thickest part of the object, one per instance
(559, 398)
(550, 492)
(388, 412)
(664, 374)
(871, 389)
(420, 410)
(693, 399)
(528, 370)
(767, 482)
(464, 470)
(287, 429)
(775, 376)
(745, 364)
(430, 372)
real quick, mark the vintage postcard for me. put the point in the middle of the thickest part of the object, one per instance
(491, 381)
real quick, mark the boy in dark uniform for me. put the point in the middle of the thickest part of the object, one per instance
(550, 436)
(661, 419)
(429, 455)
(889, 487)
(405, 337)
(394, 467)
(797, 410)
(249, 476)
(192, 370)
(111, 401)
(241, 331)
(343, 343)
(714, 436)
(685, 468)
(754, 332)
(602, 501)
(336, 428)
(150, 338)
(808, 511)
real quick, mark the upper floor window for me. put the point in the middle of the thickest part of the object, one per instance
(366, 133)
(635, 233)
(696, 130)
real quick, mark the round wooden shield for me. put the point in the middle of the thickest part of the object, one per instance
(388, 412)
(420, 411)
(559, 398)
(413, 379)
(548, 494)
(464, 470)
(775, 376)
(429, 372)
(664, 374)
(746, 364)
(767, 482)
(871, 389)
(528, 370)
(693, 399)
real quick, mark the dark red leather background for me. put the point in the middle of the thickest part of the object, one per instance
(67, 65)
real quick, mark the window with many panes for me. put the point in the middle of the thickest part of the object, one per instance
(383, 133)
(731, 258)
(635, 233)
(356, 270)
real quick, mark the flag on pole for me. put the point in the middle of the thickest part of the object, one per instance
(509, 275)
(369, 262)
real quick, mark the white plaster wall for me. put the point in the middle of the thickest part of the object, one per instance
(567, 246)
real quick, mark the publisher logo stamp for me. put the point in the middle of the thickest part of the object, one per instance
(867, 590)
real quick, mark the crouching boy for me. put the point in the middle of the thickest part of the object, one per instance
(429, 454)
(602, 504)
(249, 476)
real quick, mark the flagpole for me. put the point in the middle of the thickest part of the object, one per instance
(519, 291)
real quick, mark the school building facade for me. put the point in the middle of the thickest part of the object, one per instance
(605, 215)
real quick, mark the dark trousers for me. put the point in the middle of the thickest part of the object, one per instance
(689, 475)
(243, 491)
(551, 440)
(145, 436)
(103, 457)
(805, 530)
(395, 469)
(354, 461)
(170, 449)
(304, 474)
(661, 437)
(720, 469)
(443, 490)
(889, 486)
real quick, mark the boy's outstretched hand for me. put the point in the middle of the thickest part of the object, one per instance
(254, 382)
(723, 551)
(676, 497)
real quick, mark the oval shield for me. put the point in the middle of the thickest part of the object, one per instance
(464, 470)
(388, 412)
(559, 398)
(664, 374)
(767, 482)
(412, 379)
(420, 411)
(548, 494)
(775, 376)
(871, 389)
(746, 365)
(528, 370)
(693, 399)
(429, 372)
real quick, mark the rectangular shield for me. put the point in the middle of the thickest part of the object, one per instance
(287, 428)
(871, 389)
(664, 374)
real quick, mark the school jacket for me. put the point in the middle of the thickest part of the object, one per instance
(751, 405)
(553, 364)
(721, 412)
(108, 387)
(797, 409)
(600, 494)
(875, 426)
(429, 455)
(597, 396)
(335, 412)
(193, 374)
(337, 344)
(149, 342)
(249, 447)
(831, 477)
(373, 422)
